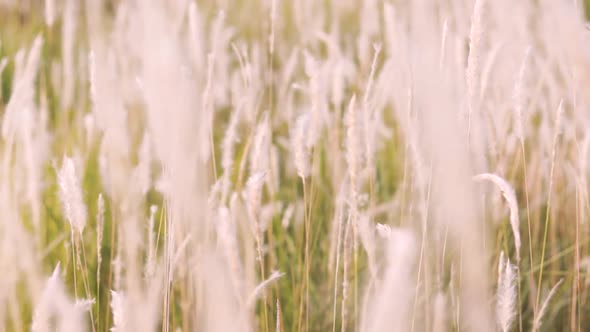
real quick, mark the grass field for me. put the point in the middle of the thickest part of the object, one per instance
(294, 165)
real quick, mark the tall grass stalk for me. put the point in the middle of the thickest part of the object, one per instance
(560, 111)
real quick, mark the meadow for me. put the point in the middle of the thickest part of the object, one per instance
(294, 165)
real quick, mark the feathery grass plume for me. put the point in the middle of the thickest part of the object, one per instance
(354, 153)
(510, 197)
(506, 294)
(69, 28)
(337, 228)
(367, 237)
(111, 119)
(383, 230)
(369, 27)
(518, 96)
(370, 241)
(391, 300)
(220, 36)
(440, 319)
(24, 133)
(287, 215)
(143, 170)
(70, 194)
(207, 114)
(151, 254)
(253, 193)
(23, 88)
(196, 37)
(300, 147)
(89, 129)
(117, 266)
(118, 307)
(274, 180)
(474, 57)
(228, 152)
(452, 196)
(179, 254)
(316, 94)
(54, 311)
(259, 157)
(173, 109)
(228, 241)
(43, 312)
(443, 42)
(353, 147)
(165, 67)
(258, 291)
(253, 199)
(556, 134)
(170, 103)
(84, 304)
(222, 302)
(253, 202)
(539, 316)
(369, 117)
(273, 19)
(486, 70)
(49, 12)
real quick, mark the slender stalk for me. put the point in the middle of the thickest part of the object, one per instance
(85, 279)
(548, 210)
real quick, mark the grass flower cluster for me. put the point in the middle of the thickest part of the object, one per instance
(294, 165)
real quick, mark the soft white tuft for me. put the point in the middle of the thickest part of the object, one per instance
(510, 197)
(70, 194)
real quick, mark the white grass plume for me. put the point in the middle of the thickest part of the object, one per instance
(228, 152)
(506, 294)
(474, 57)
(299, 146)
(54, 311)
(538, 318)
(353, 145)
(258, 291)
(118, 307)
(228, 245)
(440, 320)
(69, 28)
(49, 12)
(84, 304)
(143, 170)
(519, 96)
(510, 197)
(273, 18)
(70, 194)
(391, 301)
(369, 119)
(151, 254)
(259, 160)
(254, 192)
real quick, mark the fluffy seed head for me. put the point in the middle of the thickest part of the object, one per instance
(70, 194)
(510, 197)
(300, 149)
(506, 301)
